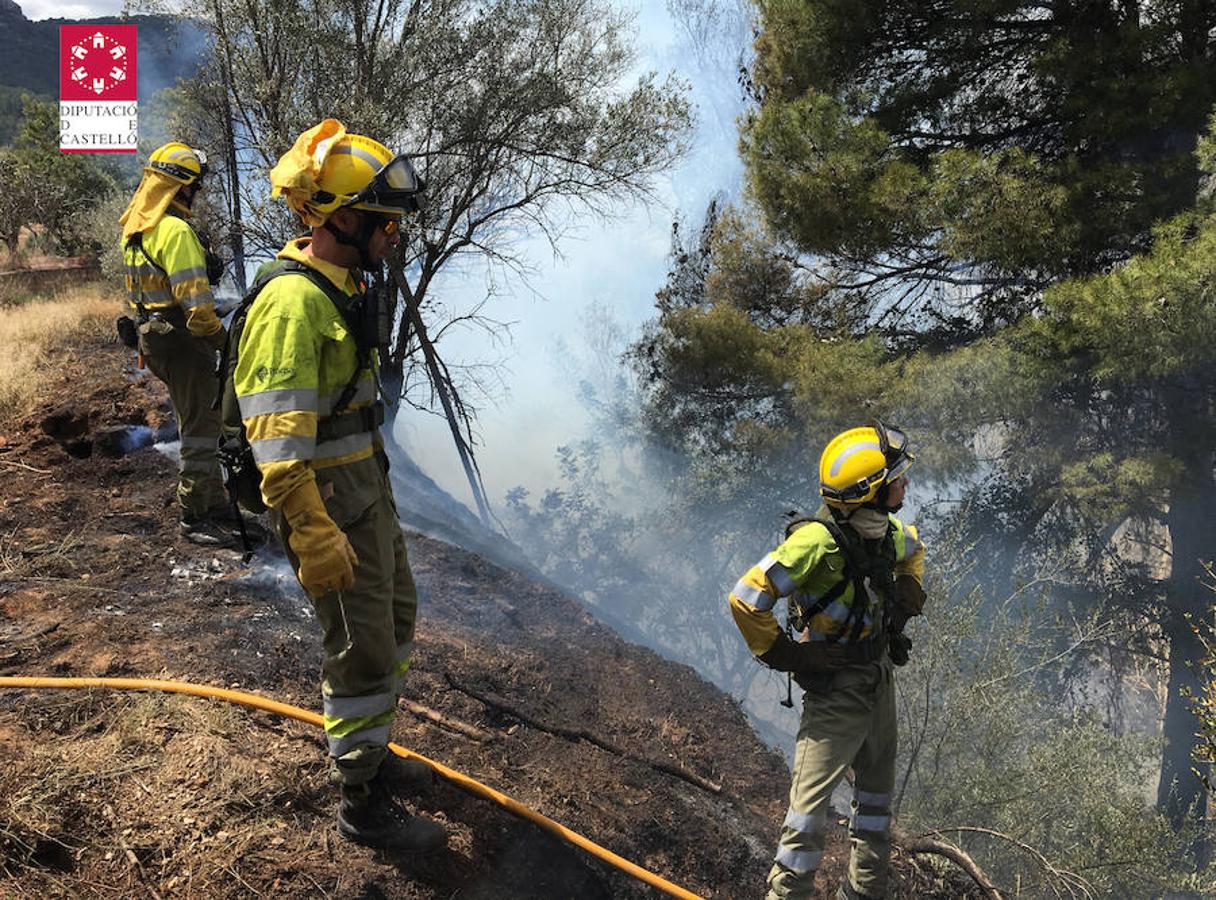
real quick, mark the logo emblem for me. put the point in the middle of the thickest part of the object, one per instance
(98, 95)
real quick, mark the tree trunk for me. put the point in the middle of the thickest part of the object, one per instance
(1180, 793)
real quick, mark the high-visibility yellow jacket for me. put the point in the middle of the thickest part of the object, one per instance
(810, 563)
(180, 280)
(296, 356)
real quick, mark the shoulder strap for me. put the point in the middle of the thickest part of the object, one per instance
(804, 614)
(137, 241)
(347, 308)
(858, 564)
(341, 304)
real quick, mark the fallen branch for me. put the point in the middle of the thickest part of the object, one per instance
(138, 867)
(21, 465)
(956, 855)
(577, 734)
(1072, 883)
(433, 715)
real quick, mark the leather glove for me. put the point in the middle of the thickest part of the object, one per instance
(898, 648)
(327, 560)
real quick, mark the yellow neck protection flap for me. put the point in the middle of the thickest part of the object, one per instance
(152, 198)
(295, 177)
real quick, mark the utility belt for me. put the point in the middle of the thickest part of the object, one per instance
(240, 471)
(351, 422)
(128, 326)
(829, 657)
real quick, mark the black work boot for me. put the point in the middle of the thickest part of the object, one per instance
(367, 816)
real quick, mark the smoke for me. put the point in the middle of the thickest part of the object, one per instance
(615, 265)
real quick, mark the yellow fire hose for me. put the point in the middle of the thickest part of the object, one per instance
(464, 782)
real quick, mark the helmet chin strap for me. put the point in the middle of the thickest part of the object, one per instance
(360, 242)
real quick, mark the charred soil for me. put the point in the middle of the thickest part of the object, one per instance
(134, 794)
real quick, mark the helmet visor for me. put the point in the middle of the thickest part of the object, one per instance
(894, 445)
(394, 189)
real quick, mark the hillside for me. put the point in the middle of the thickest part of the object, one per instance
(129, 794)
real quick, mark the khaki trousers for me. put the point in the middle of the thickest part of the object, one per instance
(186, 364)
(368, 631)
(847, 721)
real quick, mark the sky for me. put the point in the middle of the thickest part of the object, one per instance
(57, 9)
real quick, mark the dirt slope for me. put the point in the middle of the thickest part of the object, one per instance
(118, 795)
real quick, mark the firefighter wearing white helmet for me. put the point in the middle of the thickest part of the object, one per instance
(852, 577)
(172, 321)
(305, 381)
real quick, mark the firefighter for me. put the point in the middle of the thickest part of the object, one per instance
(853, 577)
(305, 379)
(172, 321)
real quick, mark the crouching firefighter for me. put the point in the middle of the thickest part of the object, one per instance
(171, 320)
(852, 576)
(303, 366)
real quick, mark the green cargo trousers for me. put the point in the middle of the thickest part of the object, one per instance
(847, 720)
(368, 631)
(186, 364)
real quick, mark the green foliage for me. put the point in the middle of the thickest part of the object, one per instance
(47, 188)
(11, 99)
(1150, 319)
(825, 180)
(992, 146)
(985, 744)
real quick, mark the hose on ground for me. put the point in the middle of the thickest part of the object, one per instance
(460, 780)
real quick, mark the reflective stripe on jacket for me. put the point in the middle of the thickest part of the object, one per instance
(173, 246)
(810, 563)
(296, 356)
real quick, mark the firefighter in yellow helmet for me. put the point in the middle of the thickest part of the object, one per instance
(852, 576)
(171, 319)
(305, 380)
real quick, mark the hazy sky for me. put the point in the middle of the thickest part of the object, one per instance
(46, 9)
(617, 265)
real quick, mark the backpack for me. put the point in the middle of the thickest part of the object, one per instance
(242, 478)
(872, 559)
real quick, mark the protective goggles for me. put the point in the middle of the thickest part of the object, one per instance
(894, 446)
(393, 189)
(181, 172)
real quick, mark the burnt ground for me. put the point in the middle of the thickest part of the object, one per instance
(121, 794)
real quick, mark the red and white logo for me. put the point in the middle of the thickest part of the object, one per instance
(98, 88)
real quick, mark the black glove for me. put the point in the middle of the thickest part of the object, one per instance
(798, 657)
(898, 647)
(215, 266)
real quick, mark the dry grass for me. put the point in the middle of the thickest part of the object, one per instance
(30, 335)
(152, 795)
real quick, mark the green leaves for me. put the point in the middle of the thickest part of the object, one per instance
(825, 180)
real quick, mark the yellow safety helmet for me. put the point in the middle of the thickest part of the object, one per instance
(858, 462)
(361, 173)
(179, 161)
